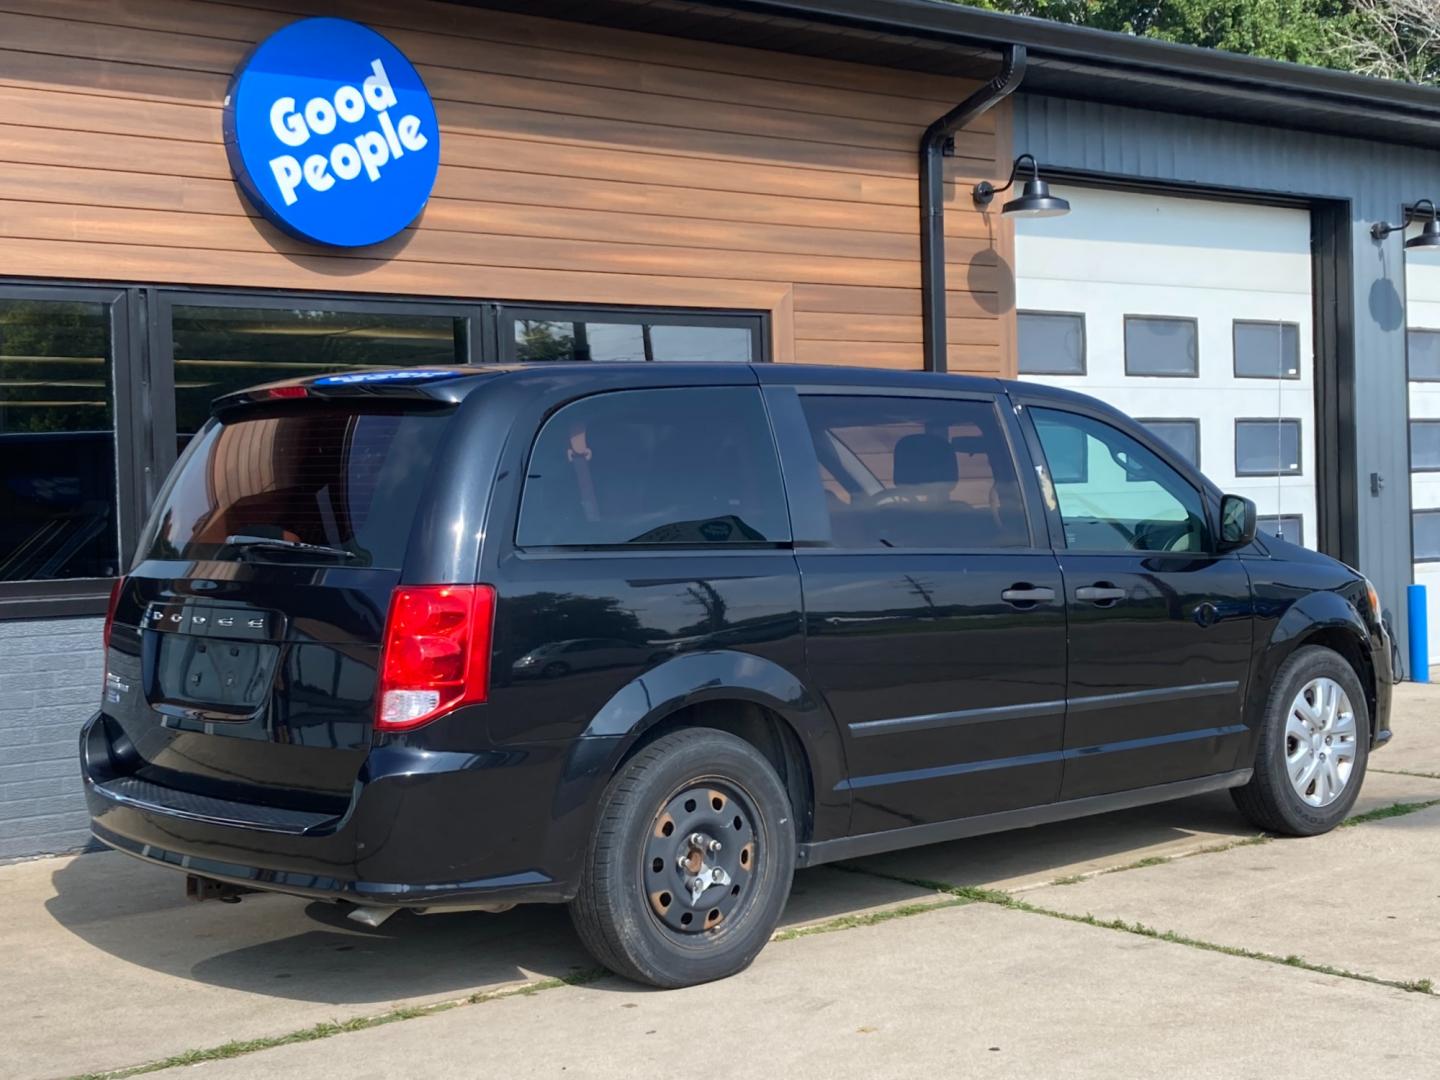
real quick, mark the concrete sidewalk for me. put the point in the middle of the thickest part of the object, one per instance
(107, 966)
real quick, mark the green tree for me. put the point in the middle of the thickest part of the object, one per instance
(1298, 31)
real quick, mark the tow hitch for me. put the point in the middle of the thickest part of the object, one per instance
(204, 888)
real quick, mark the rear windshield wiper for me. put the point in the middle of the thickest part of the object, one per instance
(242, 540)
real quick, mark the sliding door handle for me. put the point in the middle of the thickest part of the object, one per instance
(1102, 592)
(1023, 593)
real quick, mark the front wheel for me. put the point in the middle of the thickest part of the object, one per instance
(690, 865)
(1314, 743)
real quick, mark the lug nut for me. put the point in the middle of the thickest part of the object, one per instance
(716, 874)
(713, 846)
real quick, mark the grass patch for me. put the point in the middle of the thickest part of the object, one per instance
(241, 1047)
(1394, 810)
(851, 922)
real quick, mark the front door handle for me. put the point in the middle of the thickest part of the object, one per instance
(1023, 594)
(1102, 592)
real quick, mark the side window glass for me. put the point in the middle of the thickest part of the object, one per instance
(1114, 494)
(901, 472)
(680, 467)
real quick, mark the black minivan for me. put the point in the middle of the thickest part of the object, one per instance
(644, 638)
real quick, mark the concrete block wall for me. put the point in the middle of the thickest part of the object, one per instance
(50, 671)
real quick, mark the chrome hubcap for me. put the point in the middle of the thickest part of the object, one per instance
(1320, 743)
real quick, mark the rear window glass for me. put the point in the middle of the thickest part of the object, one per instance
(333, 477)
(651, 467)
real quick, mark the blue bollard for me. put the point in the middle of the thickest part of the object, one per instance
(1419, 636)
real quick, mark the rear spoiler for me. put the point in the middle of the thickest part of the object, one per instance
(410, 387)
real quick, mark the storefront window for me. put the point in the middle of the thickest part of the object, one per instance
(57, 441)
(612, 337)
(219, 349)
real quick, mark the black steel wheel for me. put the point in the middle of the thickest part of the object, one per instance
(691, 861)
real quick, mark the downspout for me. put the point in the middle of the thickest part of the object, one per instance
(937, 144)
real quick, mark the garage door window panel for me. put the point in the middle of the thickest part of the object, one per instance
(1425, 533)
(1266, 350)
(1266, 447)
(1424, 354)
(1287, 527)
(1162, 346)
(1051, 343)
(1181, 434)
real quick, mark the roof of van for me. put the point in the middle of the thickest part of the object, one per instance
(454, 383)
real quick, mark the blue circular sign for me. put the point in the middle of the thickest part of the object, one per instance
(331, 133)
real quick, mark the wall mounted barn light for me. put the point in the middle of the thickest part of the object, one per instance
(1429, 235)
(1034, 200)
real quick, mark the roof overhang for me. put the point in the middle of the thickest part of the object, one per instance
(1067, 61)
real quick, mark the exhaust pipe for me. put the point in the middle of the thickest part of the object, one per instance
(372, 917)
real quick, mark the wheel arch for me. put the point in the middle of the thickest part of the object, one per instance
(748, 696)
(1331, 622)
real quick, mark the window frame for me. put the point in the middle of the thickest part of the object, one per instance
(1415, 556)
(66, 597)
(1299, 469)
(1084, 343)
(1209, 499)
(1411, 331)
(507, 315)
(1235, 325)
(1125, 346)
(800, 466)
(630, 549)
(1193, 421)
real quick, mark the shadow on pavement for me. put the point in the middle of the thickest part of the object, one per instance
(308, 951)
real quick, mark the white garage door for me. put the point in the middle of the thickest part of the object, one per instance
(1193, 316)
(1422, 285)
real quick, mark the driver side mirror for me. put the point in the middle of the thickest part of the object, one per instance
(1237, 522)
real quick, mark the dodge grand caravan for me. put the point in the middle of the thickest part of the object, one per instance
(644, 639)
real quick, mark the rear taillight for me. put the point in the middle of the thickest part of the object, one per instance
(436, 655)
(115, 591)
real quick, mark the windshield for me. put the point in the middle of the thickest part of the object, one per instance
(328, 477)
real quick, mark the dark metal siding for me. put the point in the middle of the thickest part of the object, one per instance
(1376, 178)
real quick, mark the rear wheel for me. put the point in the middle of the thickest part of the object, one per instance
(690, 865)
(1314, 743)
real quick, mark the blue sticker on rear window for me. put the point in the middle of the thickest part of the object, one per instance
(407, 375)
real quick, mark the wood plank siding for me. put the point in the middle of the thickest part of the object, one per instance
(578, 165)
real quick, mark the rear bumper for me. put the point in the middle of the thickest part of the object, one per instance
(1381, 651)
(423, 828)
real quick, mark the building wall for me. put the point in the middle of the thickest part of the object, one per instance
(578, 165)
(50, 674)
(1376, 178)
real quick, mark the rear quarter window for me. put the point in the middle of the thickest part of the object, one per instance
(682, 467)
(337, 477)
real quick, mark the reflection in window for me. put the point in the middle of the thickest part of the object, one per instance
(1051, 343)
(222, 349)
(549, 339)
(1287, 527)
(57, 441)
(663, 467)
(1130, 500)
(1161, 346)
(1267, 350)
(1267, 448)
(1183, 436)
(902, 472)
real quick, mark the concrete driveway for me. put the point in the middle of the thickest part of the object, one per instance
(1168, 940)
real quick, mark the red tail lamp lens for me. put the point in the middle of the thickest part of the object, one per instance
(287, 392)
(437, 652)
(115, 591)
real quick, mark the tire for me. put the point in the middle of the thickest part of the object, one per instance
(633, 894)
(1272, 800)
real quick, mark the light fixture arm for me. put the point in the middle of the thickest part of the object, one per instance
(984, 192)
(1380, 230)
